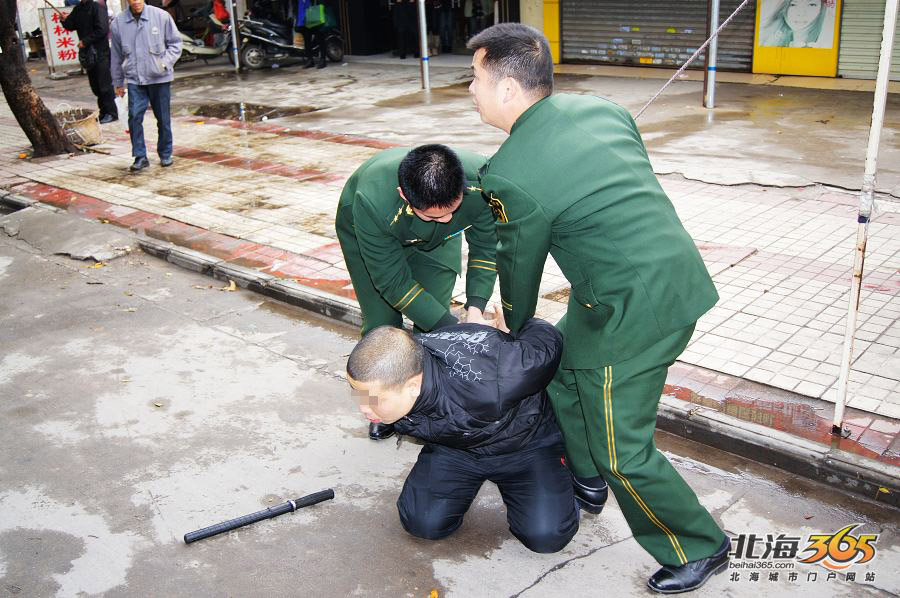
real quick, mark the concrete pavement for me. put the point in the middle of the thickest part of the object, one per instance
(142, 402)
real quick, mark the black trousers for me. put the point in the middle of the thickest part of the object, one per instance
(101, 84)
(535, 486)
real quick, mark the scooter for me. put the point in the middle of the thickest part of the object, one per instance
(265, 42)
(195, 46)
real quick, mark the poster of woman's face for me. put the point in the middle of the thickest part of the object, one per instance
(797, 23)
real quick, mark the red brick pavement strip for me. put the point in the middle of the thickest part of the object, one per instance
(871, 436)
(285, 131)
(311, 270)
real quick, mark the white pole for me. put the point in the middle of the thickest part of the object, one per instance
(866, 201)
(709, 83)
(234, 42)
(423, 46)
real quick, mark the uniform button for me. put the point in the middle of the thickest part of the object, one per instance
(588, 305)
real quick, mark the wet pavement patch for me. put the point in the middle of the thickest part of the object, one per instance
(246, 111)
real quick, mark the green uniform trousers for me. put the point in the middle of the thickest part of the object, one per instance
(608, 417)
(436, 278)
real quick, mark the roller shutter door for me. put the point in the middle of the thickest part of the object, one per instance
(861, 25)
(653, 33)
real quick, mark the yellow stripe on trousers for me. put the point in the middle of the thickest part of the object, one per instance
(611, 445)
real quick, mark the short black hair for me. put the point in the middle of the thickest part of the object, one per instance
(431, 176)
(387, 356)
(518, 51)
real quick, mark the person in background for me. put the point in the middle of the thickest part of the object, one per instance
(90, 20)
(145, 47)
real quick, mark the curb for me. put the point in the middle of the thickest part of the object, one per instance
(835, 468)
(326, 304)
(838, 469)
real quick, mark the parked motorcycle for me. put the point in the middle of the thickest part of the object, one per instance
(264, 42)
(195, 39)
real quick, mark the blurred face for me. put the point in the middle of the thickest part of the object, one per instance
(801, 13)
(137, 6)
(385, 405)
(486, 93)
(435, 214)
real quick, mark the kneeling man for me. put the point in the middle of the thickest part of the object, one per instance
(476, 396)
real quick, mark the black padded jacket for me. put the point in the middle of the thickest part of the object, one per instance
(483, 390)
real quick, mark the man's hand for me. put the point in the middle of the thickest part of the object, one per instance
(120, 91)
(80, 44)
(499, 320)
(476, 316)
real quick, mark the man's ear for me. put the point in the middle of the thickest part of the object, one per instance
(403, 197)
(511, 89)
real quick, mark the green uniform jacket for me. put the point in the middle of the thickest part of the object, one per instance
(387, 231)
(573, 178)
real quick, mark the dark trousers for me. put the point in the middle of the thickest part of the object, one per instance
(101, 84)
(535, 486)
(445, 26)
(158, 97)
(314, 40)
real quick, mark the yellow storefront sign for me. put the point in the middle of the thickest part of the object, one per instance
(797, 37)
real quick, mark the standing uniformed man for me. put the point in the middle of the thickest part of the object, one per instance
(573, 179)
(400, 222)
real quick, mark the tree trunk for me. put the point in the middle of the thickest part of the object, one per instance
(35, 119)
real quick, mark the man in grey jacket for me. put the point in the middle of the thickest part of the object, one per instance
(145, 47)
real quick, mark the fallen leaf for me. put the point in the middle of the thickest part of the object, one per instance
(884, 490)
(22, 156)
(103, 221)
(94, 282)
(168, 274)
(230, 288)
(202, 287)
(126, 380)
(200, 122)
(129, 294)
(130, 309)
(157, 404)
(433, 594)
(159, 221)
(96, 266)
(808, 517)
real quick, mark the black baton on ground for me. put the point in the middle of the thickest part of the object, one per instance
(288, 507)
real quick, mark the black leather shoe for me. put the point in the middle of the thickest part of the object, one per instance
(591, 498)
(380, 431)
(321, 64)
(309, 63)
(108, 118)
(139, 164)
(684, 578)
(165, 161)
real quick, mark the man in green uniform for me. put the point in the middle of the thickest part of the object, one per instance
(573, 179)
(400, 222)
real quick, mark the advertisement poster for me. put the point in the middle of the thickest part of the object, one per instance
(797, 37)
(61, 45)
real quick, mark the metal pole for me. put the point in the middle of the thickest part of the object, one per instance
(423, 46)
(21, 36)
(866, 202)
(234, 42)
(709, 76)
(496, 11)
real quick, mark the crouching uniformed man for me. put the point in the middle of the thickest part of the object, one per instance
(400, 223)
